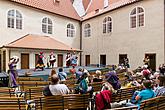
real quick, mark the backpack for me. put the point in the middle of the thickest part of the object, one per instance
(46, 91)
(133, 100)
(82, 87)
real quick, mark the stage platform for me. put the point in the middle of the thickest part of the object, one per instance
(45, 74)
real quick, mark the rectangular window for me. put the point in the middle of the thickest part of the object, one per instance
(10, 23)
(109, 27)
(104, 28)
(89, 32)
(85, 33)
(133, 22)
(18, 24)
(49, 29)
(44, 28)
(71, 33)
(141, 20)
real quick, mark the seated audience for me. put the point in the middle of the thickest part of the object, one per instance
(140, 96)
(113, 79)
(160, 90)
(73, 72)
(55, 88)
(146, 72)
(79, 73)
(62, 75)
(97, 77)
(53, 71)
(83, 86)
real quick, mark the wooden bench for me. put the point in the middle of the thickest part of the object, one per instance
(124, 94)
(32, 92)
(8, 103)
(156, 103)
(29, 79)
(60, 102)
(6, 92)
(76, 101)
(54, 103)
(25, 84)
(125, 108)
(97, 86)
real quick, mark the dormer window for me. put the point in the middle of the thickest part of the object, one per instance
(56, 1)
(106, 3)
(97, 11)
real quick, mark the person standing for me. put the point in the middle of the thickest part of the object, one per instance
(40, 63)
(12, 71)
(52, 59)
(68, 62)
(74, 59)
(126, 62)
(146, 61)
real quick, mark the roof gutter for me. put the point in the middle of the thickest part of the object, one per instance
(47, 11)
(99, 14)
(40, 48)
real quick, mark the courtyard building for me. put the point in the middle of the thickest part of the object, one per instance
(99, 31)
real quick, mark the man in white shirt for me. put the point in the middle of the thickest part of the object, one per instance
(56, 88)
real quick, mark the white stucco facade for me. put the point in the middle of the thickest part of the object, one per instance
(32, 24)
(135, 42)
(124, 40)
(78, 5)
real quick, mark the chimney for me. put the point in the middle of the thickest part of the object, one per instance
(56, 1)
(97, 11)
(72, 1)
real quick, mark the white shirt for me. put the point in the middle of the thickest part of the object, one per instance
(58, 89)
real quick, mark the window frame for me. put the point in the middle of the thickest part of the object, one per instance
(137, 14)
(47, 27)
(71, 30)
(87, 30)
(107, 23)
(14, 19)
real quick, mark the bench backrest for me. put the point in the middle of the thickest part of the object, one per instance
(29, 79)
(76, 101)
(8, 103)
(6, 92)
(97, 86)
(124, 94)
(25, 84)
(32, 92)
(60, 102)
(54, 103)
(156, 103)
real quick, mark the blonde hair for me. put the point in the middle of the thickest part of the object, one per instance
(98, 73)
(53, 71)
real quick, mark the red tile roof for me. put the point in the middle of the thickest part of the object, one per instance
(114, 5)
(95, 4)
(32, 41)
(86, 3)
(63, 8)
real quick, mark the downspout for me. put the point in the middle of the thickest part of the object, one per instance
(164, 30)
(81, 43)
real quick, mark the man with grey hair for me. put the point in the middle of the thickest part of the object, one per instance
(55, 88)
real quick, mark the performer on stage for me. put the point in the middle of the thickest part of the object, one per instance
(12, 71)
(68, 60)
(40, 63)
(74, 59)
(52, 59)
